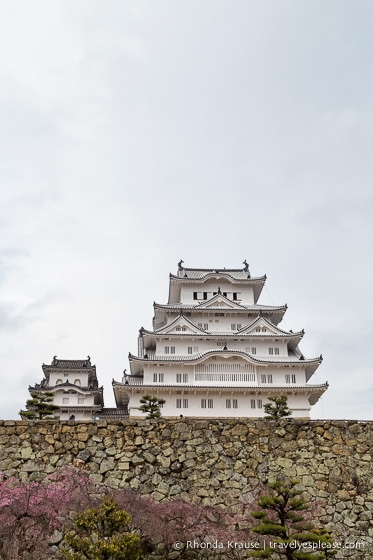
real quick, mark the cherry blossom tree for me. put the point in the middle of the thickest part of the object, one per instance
(30, 512)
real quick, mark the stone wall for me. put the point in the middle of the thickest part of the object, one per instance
(219, 462)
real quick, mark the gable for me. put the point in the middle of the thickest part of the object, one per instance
(181, 325)
(219, 301)
(259, 327)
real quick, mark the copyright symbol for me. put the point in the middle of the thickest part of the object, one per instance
(178, 545)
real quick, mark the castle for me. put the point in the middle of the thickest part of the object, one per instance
(214, 351)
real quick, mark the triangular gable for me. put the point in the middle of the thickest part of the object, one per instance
(216, 358)
(182, 323)
(219, 301)
(261, 323)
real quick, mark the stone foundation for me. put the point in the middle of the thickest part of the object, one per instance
(217, 462)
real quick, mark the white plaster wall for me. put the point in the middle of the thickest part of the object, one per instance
(202, 345)
(73, 399)
(170, 372)
(297, 402)
(244, 296)
(71, 377)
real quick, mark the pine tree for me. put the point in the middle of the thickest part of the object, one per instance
(282, 518)
(39, 406)
(102, 533)
(151, 406)
(277, 408)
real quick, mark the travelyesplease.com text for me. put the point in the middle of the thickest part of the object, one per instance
(265, 545)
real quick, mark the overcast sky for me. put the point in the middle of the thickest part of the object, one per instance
(137, 133)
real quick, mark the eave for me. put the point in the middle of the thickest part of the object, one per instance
(275, 313)
(137, 363)
(312, 392)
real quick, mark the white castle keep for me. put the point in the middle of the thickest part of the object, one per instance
(215, 352)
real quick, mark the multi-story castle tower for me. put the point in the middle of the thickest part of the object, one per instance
(74, 386)
(215, 352)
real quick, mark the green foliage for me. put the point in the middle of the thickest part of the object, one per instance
(151, 406)
(39, 406)
(102, 533)
(277, 408)
(282, 518)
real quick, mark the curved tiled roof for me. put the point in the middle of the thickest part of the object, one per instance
(70, 364)
(199, 356)
(224, 335)
(262, 388)
(253, 308)
(203, 273)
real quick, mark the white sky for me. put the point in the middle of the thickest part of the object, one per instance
(137, 133)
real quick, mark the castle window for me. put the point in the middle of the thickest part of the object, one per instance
(252, 403)
(270, 378)
(270, 350)
(178, 378)
(259, 403)
(203, 403)
(190, 350)
(206, 326)
(235, 403)
(264, 378)
(287, 378)
(185, 378)
(293, 379)
(277, 351)
(195, 295)
(210, 403)
(233, 326)
(234, 296)
(253, 350)
(204, 295)
(228, 403)
(182, 403)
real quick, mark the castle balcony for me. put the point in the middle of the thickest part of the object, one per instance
(225, 374)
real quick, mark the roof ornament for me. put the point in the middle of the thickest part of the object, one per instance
(179, 265)
(219, 290)
(246, 268)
